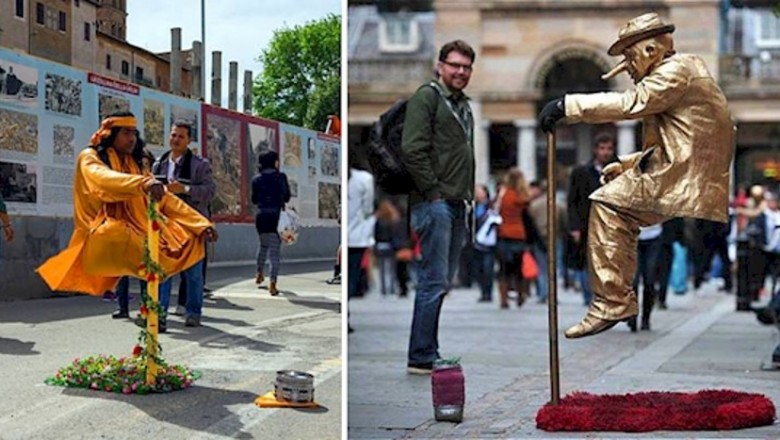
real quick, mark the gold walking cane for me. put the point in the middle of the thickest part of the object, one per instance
(552, 286)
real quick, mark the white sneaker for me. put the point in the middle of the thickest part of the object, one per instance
(180, 311)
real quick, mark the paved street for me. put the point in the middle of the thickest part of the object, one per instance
(246, 337)
(699, 343)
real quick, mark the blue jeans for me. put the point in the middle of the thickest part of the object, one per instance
(441, 228)
(582, 277)
(485, 261)
(540, 255)
(194, 277)
(123, 291)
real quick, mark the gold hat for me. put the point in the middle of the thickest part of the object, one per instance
(637, 29)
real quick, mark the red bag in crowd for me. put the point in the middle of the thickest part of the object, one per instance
(529, 268)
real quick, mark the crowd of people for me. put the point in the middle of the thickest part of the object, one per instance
(645, 220)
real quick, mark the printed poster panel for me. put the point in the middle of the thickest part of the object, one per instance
(18, 135)
(158, 113)
(63, 94)
(64, 140)
(222, 147)
(154, 124)
(261, 134)
(329, 200)
(329, 161)
(18, 84)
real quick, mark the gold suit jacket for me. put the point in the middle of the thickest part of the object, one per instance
(687, 142)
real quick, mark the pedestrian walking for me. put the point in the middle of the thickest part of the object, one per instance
(270, 192)
(584, 181)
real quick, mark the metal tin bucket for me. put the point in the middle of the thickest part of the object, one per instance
(294, 386)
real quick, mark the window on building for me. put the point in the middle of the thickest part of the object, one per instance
(139, 72)
(108, 62)
(63, 21)
(51, 18)
(399, 33)
(39, 13)
(768, 29)
(125, 68)
(77, 2)
(113, 30)
(87, 32)
(20, 8)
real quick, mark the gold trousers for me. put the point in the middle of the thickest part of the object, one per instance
(612, 247)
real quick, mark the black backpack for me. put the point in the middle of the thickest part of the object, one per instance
(384, 151)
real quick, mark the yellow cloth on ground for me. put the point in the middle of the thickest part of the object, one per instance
(268, 400)
(109, 228)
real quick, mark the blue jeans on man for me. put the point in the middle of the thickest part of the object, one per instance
(441, 228)
(194, 277)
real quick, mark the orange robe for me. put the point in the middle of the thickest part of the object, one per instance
(109, 228)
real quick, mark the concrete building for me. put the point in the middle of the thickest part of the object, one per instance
(531, 51)
(89, 35)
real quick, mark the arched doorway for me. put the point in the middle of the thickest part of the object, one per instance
(571, 71)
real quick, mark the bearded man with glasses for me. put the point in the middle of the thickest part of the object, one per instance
(438, 152)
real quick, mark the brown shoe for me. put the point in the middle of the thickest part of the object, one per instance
(259, 278)
(272, 289)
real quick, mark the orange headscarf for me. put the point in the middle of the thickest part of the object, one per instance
(105, 128)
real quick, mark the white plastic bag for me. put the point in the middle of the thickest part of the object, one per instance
(289, 226)
(487, 235)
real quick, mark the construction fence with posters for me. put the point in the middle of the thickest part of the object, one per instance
(48, 112)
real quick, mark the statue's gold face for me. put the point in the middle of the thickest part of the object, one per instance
(641, 57)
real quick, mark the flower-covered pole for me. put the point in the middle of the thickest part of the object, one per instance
(153, 284)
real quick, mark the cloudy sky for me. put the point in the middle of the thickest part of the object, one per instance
(241, 29)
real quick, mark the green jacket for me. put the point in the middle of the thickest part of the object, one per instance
(438, 150)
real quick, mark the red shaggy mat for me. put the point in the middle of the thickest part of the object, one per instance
(657, 411)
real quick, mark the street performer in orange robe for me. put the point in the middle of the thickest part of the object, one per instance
(683, 169)
(110, 217)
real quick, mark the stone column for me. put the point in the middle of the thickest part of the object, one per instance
(233, 85)
(526, 147)
(175, 61)
(248, 92)
(626, 138)
(216, 78)
(481, 143)
(197, 71)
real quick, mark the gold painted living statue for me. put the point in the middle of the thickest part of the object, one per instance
(682, 169)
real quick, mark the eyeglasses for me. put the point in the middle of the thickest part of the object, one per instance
(457, 66)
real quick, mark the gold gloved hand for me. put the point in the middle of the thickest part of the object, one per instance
(611, 171)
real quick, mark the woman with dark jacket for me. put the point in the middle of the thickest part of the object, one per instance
(270, 191)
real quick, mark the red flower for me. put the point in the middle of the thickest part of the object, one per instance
(151, 277)
(155, 225)
(137, 350)
(144, 310)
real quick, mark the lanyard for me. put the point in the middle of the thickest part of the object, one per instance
(465, 121)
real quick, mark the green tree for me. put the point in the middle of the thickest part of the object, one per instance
(301, 79)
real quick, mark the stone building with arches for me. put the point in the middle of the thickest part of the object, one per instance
(530, 51)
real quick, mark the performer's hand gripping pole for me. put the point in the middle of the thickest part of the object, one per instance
(552, 286)
(153, 240)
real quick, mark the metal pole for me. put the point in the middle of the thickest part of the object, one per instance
(203, 49)
(552, 286)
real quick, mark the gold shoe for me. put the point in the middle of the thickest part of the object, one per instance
(589, 326)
